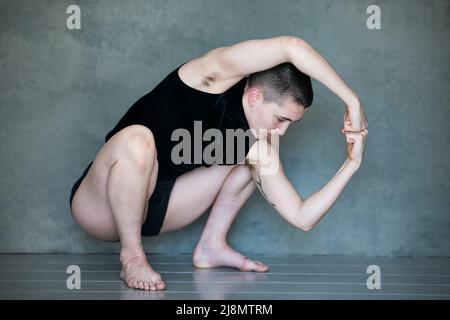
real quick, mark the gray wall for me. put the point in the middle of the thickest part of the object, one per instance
(62, 91)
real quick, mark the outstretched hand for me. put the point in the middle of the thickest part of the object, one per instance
(355, 120)
(356, 142)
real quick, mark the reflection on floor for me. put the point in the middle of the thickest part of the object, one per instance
(289, 277)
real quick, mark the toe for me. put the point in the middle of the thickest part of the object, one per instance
(129, 283)
(252, 265)
(146, 286)
(157, 281)
(261, 263)
(261, 266)
(160, 285)
(141, 285)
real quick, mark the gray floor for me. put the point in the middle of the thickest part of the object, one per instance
(290, 277)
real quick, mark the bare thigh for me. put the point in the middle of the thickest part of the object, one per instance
(192, 194)
(90, 205)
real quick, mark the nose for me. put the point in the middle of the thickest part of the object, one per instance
(282, 129)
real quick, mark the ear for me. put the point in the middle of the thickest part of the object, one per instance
(254, 96)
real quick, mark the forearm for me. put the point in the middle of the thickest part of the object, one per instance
(310, 62)
(317, 205)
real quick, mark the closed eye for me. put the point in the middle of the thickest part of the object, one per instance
(286, 119)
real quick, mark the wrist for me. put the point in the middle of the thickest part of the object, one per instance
(354, 103)
(353, 164)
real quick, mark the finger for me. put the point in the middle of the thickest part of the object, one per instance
(352, 131)
(344, 130)
(352, 136)
(356, 131)
(349, 137)
(348, 125)
(346, 116)
(366, 123)
(355, 134)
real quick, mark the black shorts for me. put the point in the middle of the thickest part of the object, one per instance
(157, 204)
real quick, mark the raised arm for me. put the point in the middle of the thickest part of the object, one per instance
(220, 68)
(310, 62)
(279, 192)
(255, 55)
(250, 56)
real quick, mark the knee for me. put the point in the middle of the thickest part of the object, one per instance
(139, 146)
(241, 177)
(243, 174)
(250, 185)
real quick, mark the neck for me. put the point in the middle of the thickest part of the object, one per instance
(247, 113)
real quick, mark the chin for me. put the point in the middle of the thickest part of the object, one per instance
(265, 133)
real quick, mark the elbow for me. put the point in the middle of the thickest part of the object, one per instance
(293, 44)
(306, 227)
(293, 40)
(296, 43)
(301, 217)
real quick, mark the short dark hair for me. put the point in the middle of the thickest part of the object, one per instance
(282, 81)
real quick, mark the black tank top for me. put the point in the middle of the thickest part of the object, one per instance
(172, 104)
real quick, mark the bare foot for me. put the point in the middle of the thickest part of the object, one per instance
(138, 274)
(211, 256)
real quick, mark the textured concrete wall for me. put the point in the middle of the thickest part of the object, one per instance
(62, 91)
